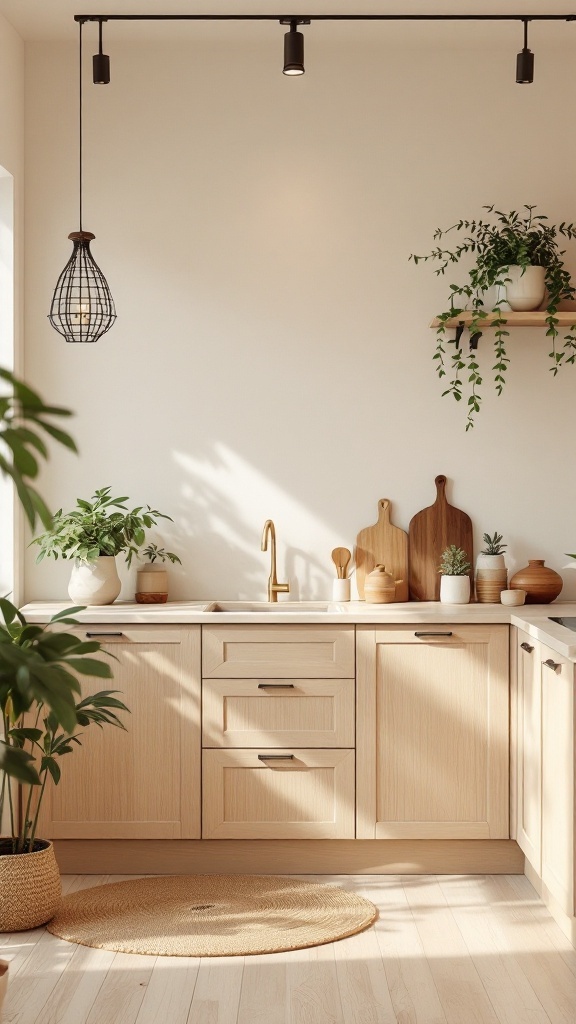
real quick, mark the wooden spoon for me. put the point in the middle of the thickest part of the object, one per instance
(341, 557)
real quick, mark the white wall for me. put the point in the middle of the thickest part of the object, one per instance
(272, 356)
(11, 256)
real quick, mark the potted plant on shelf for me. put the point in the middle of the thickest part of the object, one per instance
(152, 579)
(508, 249)
(40, 718)
(92, 535)
(491, 571)
(455, 582)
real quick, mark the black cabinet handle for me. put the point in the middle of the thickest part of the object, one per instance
(433, 633)
(275, 757)
(552, 664)
(275, 686)
(104, 634)
(526, 647)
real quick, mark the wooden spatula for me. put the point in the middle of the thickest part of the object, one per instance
(341, 557)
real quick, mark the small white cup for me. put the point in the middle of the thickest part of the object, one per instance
(512, 597)
(341, 590)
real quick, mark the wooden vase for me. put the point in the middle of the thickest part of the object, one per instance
(542, 585)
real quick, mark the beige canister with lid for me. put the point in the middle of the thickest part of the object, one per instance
(380, 586)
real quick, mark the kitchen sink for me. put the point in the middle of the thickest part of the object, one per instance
(297, 607)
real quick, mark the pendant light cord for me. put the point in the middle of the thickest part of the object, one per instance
(80, 117)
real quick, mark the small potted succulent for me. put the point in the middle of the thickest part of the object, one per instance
(491, 571)
(507, 248)
(455, 582)
(92, 535)
(152, 579)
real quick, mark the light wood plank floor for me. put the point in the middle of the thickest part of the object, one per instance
(445, 950)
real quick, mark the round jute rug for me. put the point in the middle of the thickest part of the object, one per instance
(210, 915)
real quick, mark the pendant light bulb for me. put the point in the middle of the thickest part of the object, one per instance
(293, 51)
(525, 61)
(100, 63)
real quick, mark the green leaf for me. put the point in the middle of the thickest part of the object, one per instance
(90, 667)
(18, 764)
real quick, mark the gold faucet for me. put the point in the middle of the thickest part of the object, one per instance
(274, 588)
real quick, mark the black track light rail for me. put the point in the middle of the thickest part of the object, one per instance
(308, 18)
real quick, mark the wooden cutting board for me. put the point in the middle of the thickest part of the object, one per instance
(429, 532)
(383, 544)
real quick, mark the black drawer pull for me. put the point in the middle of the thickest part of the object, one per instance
(275, 686)
(526, 647)
(433, 633)
(104, 634)
(275, 757)
(552, 664)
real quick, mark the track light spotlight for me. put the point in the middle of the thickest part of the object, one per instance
(525, 60)
(100, 62)
(294, 48)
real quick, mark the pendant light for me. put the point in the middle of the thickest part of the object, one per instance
(294, 47)
(82, 308)
(525, 61)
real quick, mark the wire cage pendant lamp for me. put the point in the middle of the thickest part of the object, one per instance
(82, 307)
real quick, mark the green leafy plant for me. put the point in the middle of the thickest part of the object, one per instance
(40, 716)
(94, 529)
(507, 239)
(153, 552)
(23, 422)
(493, 544)
(454, 562)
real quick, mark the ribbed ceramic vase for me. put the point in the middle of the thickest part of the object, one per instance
(94, 582)
(30, 890)
(542, 585)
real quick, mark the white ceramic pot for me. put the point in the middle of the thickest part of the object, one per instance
(525, 290)
(152, 585)
(95, 582)
(455, 589)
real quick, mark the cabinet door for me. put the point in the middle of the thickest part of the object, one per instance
(432, 732)
(529, 749)
(278, 794)
(558, 777)
(294, 712)
(143, 783)
(278, 652)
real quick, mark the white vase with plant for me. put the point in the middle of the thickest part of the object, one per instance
(455, 582)
(152, 579)
(491, 571)
(92, 535)
(508, 249)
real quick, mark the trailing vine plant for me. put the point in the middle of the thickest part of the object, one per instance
(507, 239)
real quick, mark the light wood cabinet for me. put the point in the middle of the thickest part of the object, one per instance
(278, 794)
(545, 768)
(432, 732)
(278, 652)
(143, 783)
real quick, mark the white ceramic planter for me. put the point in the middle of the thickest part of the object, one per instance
(525, 291)
(95, 582)
(455, 589)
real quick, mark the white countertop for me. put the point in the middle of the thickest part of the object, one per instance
(533, 618)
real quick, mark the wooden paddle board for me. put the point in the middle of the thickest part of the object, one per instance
(383, 544)
(429, 533)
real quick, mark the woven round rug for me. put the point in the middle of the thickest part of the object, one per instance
(210, 915)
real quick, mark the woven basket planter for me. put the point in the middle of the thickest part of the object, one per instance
(30, 891)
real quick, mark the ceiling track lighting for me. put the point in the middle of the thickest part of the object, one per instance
(82, 308)
(100, 61)
(525, 60)
(294, 46)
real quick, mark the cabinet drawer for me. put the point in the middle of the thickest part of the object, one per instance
(294, 712)
(271, 652)
(274, 794)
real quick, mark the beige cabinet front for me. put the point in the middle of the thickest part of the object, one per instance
(277, 652)
(143, 783)
(278, 794)
(432, 732)
(529, 749)
(558, 777)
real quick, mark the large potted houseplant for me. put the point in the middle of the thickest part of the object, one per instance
(42, 721)
(92, 535)
(455, 580)
(508, 250)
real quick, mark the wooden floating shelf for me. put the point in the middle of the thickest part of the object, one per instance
(532, 319)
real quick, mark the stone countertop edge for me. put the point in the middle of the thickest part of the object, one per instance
(533, 619)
